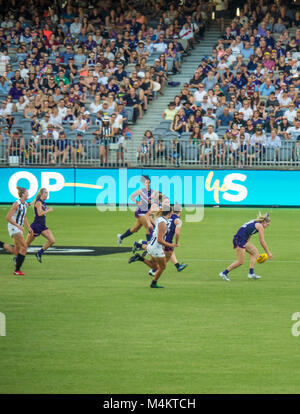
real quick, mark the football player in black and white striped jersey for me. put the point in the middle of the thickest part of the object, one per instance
(16, 218)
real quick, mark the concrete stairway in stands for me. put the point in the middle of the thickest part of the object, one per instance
(152, 117)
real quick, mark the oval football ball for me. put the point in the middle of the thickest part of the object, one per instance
(262, 258)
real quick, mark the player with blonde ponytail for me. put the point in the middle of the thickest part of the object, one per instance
(39, 224)
(17, 219)
(242, 244)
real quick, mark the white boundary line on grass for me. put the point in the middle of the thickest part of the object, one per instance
(211, 260)
(226, 260)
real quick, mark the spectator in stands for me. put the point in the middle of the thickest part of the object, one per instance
(170, 112)
(144, 151)
(62, 149)
(132, 100)
(225, 119)
(290, 113)
(160, 150)
(209, 119)
(179, 123)
(211, 136)
(196, 136)
(78, 149)
(16, 146)
(293, 132)
(274, 141)
(211, 79)
(206, 152)
(4, 84)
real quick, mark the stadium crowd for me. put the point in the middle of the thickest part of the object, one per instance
(242, 105)
(76, 74)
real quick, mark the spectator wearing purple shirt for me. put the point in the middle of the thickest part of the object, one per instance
(16, 91)
(90, 43)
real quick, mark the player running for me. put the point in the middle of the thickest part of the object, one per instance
(241, 244)
(145, 196)
(16, 218)
(155, 247)
(174, 228)
(39, 224)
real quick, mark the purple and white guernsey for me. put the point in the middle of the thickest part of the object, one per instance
(145, 202)
(171, 230)
(244, 233)
(39, 223)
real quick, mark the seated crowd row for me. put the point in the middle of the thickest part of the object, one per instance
(245, 93)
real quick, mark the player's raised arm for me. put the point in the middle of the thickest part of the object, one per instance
(134, 196)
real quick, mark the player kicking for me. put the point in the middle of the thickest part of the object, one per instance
(16, 218)
(155, 247)
(174, 227)
(39, 224)
(145, 196)
(241, 244)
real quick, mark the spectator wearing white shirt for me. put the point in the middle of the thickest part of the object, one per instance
(45, 122)
(293, 132)
(21, 104)
(206, 104)
(209, 118)
(199, 94)
(75, 27)
(108, 53)
(291, 113)
(55, 118)
(246, 110)
(23, 70)
(11, 106)
(50, 130)
(80, 124)
(96, 105)
(258, 137)
(62, 110)
(4, 58)
(160, 46)
(211, 135)
(186, 32)
(4, 110)
(103, 79)
(117, 123)
(284, 100)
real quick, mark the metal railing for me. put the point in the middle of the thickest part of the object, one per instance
(164, 153)
(183, 153)
(71, 152)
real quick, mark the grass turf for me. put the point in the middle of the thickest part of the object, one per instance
(93, 325)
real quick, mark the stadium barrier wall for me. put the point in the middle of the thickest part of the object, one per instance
(189, 187)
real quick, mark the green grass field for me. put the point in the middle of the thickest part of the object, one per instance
(93, 325)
